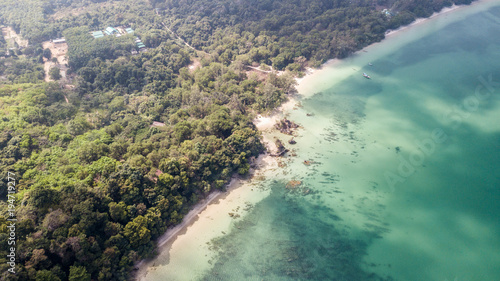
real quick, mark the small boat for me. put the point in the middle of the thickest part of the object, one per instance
(370, 64)
(366, 75)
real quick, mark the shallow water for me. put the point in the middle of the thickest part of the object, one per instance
(404, 181)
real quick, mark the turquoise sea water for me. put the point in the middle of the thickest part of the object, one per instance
(404, 180)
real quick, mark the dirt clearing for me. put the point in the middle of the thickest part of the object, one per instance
(58, 51)
(11, 36)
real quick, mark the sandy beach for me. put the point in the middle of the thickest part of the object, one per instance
(319, 79)
(209, 218)
(217, 206)
(185, 237)
(421, 20)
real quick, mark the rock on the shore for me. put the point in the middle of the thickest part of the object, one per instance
(286, 126)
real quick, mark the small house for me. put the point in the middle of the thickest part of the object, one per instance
(97, 34)
(110, 30)
(59, 41)
(157, 124)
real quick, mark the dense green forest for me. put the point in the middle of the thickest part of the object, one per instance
(109, 157)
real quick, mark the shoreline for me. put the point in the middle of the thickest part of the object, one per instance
(265, 124)
(444, 10)
(401, 29)
(397, 35)
(418, 21)
(211, 203)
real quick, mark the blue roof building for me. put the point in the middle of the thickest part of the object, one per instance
(97, 34)
(110, 30)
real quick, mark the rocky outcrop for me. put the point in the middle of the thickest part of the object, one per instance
(281, 149)
(286, 126)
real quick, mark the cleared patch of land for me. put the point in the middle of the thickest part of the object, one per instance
(70, 11)
(195, 64)
(11, 36)
(58, 51)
